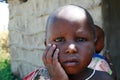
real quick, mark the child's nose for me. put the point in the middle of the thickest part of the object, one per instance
(71, 49)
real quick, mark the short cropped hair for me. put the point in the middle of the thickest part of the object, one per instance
(61, 8)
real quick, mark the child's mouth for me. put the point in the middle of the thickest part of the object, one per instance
(71, 63)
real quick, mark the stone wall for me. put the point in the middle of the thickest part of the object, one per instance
(27, 27)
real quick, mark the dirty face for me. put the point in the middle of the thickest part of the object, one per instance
(75, 41)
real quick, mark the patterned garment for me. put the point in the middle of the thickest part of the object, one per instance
(100, 63)
(39, 74)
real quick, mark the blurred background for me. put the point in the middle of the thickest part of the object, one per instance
(5, 70)
(22, 29)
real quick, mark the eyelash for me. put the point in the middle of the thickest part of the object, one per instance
(81, 39)
(61, 39)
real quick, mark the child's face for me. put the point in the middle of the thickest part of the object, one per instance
(75, 41)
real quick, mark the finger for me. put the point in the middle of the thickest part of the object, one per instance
(55, 57)
(45, 53)
(50, 54)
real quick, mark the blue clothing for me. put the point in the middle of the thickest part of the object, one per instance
(100, 56)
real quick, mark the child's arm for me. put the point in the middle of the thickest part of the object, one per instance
(50, 59)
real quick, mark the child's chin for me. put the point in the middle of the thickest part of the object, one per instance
(71, 71)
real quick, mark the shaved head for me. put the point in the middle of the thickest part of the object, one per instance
(71, 13)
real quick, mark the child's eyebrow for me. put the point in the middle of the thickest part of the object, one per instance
(60, 34)
(83, 33)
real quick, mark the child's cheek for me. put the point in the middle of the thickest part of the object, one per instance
(60, 46)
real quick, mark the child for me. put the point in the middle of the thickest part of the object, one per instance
(70, 40)
(101, 60)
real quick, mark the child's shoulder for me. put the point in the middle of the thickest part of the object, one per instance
(101, 75)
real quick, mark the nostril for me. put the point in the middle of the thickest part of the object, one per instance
(71, 51)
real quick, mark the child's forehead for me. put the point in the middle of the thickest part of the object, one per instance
(63, 26)
(66, 24)
(58, 21)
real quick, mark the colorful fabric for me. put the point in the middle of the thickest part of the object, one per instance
(39, 74)
(100, 56)
(100, 63)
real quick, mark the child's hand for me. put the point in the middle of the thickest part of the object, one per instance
(50, 59)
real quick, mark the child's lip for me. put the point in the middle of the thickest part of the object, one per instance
(71, 62)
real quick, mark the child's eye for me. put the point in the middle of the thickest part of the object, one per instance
(81, 39)
(59, 39)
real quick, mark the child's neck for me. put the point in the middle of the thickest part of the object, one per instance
(81, 76)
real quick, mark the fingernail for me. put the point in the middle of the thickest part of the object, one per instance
(49, 44)
(54, 45)
(57, 49)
